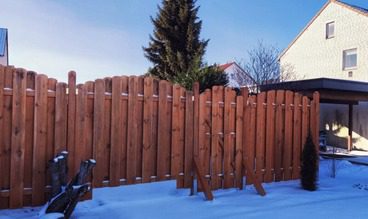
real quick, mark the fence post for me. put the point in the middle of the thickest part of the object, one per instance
(71, 120)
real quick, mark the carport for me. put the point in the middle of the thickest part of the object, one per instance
(334, 91)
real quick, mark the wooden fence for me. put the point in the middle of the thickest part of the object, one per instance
(143, 130)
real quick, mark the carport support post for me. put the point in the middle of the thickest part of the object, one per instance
(350, 136)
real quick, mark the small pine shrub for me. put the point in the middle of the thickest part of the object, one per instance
(308, 173)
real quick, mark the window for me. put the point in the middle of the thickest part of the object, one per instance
(350, 59)
(330, 30)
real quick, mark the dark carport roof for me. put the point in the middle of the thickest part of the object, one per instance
(331, 90)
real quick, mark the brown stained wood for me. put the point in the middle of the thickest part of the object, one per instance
(204, 131)
(279, 129)
(305, 122)
(148, 152)
(139, 121)
(154, 133)
(50, 144)
(239, 142)
(249, 150)
(123, 133)
(18, 139)
(98, 132)
(196, 119)
(215, 139)
(80, 128)
(288, 135)
(260, 134)
(28, 153)
(116, 127)
(181, 148)
(3, 202)
(132, 130)
(40, 141)
(188, 162)
(297, 130)
(71, 121)
(163, 141)
(255, 181)
(270, 133)
(107, 129)
(228, 147)
(177, 147)
(60, 117)
(7, 135)
(202, 181)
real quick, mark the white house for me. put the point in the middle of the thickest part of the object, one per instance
(236, 74)
(4, 59)
(334, 44)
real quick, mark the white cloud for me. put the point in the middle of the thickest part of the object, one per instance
(48, 38)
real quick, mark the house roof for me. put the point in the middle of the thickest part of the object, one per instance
(357, 9)
(3, 41)
(225, 66)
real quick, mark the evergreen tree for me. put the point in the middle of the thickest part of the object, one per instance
(175, 48)
(309, 166)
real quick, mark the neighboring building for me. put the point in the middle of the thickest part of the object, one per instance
(4, 59)
(334, 44)
(237, 76)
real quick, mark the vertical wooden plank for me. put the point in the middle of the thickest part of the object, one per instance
(28, 153)
(196, 124)
(215, 139)
(177, 150)
(80, 127)
(260, 135)
(3, 201)
(279, 138)
(245, 93)
(124, 109)
(107, 129)
(297, 130)
(132, 133)
(71, 120)
(288, 135)
(60, 117)
(204, 131)
(270, 136)
(50, 143)
(18, 139)
(163, 141)
(139, 121)
(116, 128)
(305, 122)
(5, 148)
(98, 131)
(228, 147)
(40, 141)
(239, 143)
(148, 153)
(249, 149)
(188, 156)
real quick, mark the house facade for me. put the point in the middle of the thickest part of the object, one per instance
(334, 44)
(4, 56)
(236, 74)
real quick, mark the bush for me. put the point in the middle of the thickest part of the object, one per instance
(309, 167)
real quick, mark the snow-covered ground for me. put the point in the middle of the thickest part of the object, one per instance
(345, 196)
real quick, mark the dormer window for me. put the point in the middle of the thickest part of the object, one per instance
(330, 30)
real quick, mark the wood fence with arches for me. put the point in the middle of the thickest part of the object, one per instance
(143, 130)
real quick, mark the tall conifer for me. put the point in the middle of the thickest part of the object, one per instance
(175, 48)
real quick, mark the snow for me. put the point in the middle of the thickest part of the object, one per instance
(345, 196)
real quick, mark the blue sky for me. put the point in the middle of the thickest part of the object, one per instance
(100, 38)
